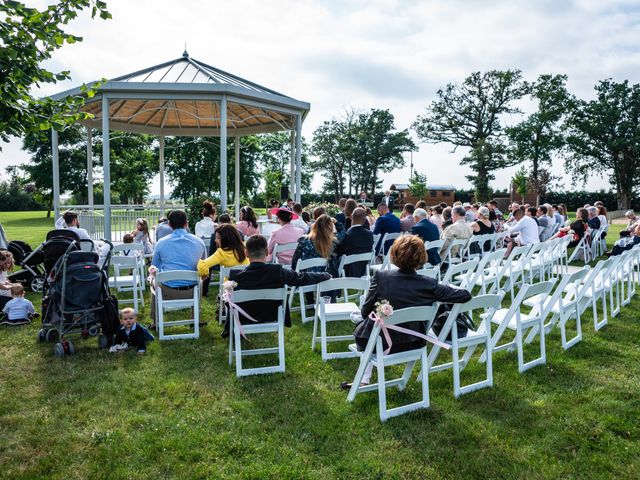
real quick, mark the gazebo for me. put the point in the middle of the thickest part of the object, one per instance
(185, 97)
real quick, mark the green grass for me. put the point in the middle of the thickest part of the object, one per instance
(180, 412)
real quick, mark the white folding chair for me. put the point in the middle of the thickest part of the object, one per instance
(355, 258)
(592, 288)
(301, 266)
(582, 250)
(223, 275)
(514, 268)
(486, 273)
(437, 244)
(488, 304)
(498, 241)
(236, 331)
(133, 250)
(385, 265)
(282, 247)
(386, 238)
(335, 312)
(513, 318)
(596, 243)
(459, 273)
(126, 278)
(374, 353)
(429, 272)
(192, 303)
(459, 244)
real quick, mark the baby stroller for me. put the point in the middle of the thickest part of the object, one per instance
(77, 300)
(31, 273)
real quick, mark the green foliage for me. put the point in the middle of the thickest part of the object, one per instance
(521, 182)
(539, 136)
(193, 208)
(604, 137)
(468, 115)
(418, 185)
(29, 37)
(15, 197)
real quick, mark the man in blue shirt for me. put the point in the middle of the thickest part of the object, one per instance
(387, 222)
(178, 251)
(428, 232)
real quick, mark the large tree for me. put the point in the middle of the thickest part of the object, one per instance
(469, 115)
(604, 138)
(29, 37)
(539, 136)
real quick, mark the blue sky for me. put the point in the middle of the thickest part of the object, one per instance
(364, 54)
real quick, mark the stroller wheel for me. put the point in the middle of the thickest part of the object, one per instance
(102, 342)
(51, 336)
(58, 350)
(36, 283)
(71, 349)
(41, 336)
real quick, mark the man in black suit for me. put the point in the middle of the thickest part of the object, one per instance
(260, 275)
(388, 200)
(357, 240)
(428, 232)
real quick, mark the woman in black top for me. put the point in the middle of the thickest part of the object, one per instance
(482, 226)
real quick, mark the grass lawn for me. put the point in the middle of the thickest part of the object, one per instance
(180, 412)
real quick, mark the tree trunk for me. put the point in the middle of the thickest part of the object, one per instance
(624, 199)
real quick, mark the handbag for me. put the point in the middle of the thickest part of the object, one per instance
(464, 323)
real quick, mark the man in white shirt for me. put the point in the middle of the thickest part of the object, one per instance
(72, 223)
(526, 226)
(387, 200)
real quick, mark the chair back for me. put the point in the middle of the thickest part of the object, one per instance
(170, 275)
(428, 272)
(348, 283)
(355, 258)
(242, 296)
(282, 247)
(459, 268)
(303, 265)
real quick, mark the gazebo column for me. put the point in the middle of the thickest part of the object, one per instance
(292, 162)
(56, 174)
(223, 153)
(106, 167)
(89, 170)
(237, 179)
(161, 172)
(298, 198)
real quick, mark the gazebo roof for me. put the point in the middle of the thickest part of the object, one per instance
(182, 97)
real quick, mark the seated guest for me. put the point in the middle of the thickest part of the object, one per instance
(72, 223)
(223, 218)
(178, 251)
(289, 204)
(525, 229)
(457, 230)
(230, 251)
(299, 222)
(60, 223)
(387, 222)
(320, 243)
(207, 226)
(260, 275)
(422, 204)
(446, 218)
(513, 208)
(349, 207)
(631, 218)
(141, 235)
(469, 214)
(307, 218)
(436, 217)
(163, 229)
(604, 219)
(248, 224)
(545, 221)
(406, 218)
(341, 217)
(403, 288)
(593, 220)
(357, 240)
(533, 213)
(370, 218)
(482, 226)
(556, 215)
(626, 243)
(287, 233)
(493, 206)
(428, 232)
(578, 228)
(274, 205)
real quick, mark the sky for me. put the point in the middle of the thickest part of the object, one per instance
(363, 54)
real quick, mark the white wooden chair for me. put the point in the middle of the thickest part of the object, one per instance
(429, 272)
(192, 304)
(460, 273)
(514, 268)
(386, 238)
(498, 241)
(133, 250)
(223, 274)
(374, 353)
(280, 248)
(592, 288)
(236, 350)
(488, 304)
(513, 318)
(449, 257)
(355, 258)
(126, 278)
(385, 265)
(486, 273)
(301, 266)
(335, 312)
(582, 250)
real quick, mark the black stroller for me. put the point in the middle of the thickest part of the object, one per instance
(76, 300)
(31, 273)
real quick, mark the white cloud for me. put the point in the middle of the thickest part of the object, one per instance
(362, 53)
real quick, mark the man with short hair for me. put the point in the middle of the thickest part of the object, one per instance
(163, 229)
(493, 206)
(299, 222)
(406, 218)
(457, 230)
(357, 240)
(259, 275)
(469, 215)
(428, 232)
(387, 222)
(180, 250)
(72, 223)
(556, 215)
(387, 200)
(526, 226)
(546, 222)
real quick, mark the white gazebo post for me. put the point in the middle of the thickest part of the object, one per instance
(56, 174)
(298, 198)
(89, 170)
(237, 179)
(106, 167)
(292, 162)
(223, 153)
(161, 172)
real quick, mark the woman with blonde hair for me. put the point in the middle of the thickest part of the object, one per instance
(319, 243)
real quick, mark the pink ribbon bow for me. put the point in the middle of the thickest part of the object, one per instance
(227, 297)
(378, 320)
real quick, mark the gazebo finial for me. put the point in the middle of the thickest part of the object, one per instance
(185, 54)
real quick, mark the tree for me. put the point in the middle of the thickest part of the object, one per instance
(418, 185)
(275, 158)
(540, 135)
(604, 137)
(328, 150)
(520, 182)
(28, 37)
(468, 115)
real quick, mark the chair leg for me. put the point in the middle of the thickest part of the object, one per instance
(323, 339)
(382, 389)
(406, 375)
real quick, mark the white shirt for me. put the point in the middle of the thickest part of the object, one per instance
(60, 223)
(301, 224)
(528, 229)
(603, 222)
(81, 232)
(205, 227)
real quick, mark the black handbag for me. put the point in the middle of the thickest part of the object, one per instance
(463, 322)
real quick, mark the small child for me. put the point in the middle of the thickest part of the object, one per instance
(127, 238)
(130, 334)
(19, 310)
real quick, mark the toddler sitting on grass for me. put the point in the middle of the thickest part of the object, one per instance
(130, 334)
(19, 310)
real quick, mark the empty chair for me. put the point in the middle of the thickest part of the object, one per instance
(460, 273)
(126, 278)
(388, 238)
(192, 304)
